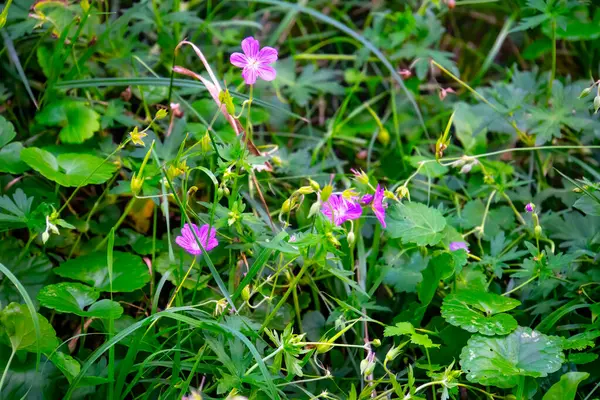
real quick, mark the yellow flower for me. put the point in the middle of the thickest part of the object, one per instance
(136, 137)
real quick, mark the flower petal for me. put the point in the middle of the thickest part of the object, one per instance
(249, 74)
(267, 73)
(267, 55)
(239, 60)
(250, 47)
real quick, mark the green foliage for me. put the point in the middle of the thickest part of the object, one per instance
(416, 223)
(78, 299)
(78, 122)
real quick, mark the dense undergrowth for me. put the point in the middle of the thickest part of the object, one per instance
(315, 200)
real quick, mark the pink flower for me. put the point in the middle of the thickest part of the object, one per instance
(255, 61)
(405, 73)
(444, 92)
(188, 242)
(378, 206)
(529, 207)
(367, 198)
(459, 245)
(339, 210)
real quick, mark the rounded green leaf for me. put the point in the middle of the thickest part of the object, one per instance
(68, 169)
(501, 361)
(71, 297)
(477, 311)
(129, 271)
(7, 131)
(78, 121)
(10, 159)
(17, 330)
(566, 388)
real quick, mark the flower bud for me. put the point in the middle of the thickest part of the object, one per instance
(537, 231)
(384, 137)
(205, 144)
(305, 190)
(596, 104)
(393, 353)
(286, 206)
(225, 98)
(246, 293)
(351, 238)
(324, 348)
(585, 92)
(367, 367)
(389, 195)
(314, 209)
(162, 113)
(136, 184)
(332, 239)
(376, 343)
(315, 185)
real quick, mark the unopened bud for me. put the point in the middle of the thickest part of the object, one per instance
(246, 293)
(286, 206)
(314, 209)
(393, 353)
(389, 195)
(315, 185)
(136, 185)
(402, 192)
(205, 144)
(367, 367)
(323, 348)
(585, 92)
(384, 137)
(305, 190)
(376, 343)
(351, 238)
(596, 104)
(537, 231)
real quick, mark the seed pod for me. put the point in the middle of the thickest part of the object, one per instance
(585, 92)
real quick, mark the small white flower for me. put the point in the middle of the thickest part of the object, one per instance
(50, 228)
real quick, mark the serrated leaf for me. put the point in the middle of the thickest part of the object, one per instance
(77, 120)
(502, 361)
(74, 298)
(416, 223)
(401, 272)
(401, 328)
(422, 340)
(582, 358)
(129, 271)
(566, 387)
(7, 131)
(580, 341)
(15, 211)
(479, 311)
(69, 169)
(17, 330)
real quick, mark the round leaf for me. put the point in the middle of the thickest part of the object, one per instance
(68, 169)
(17, 329)
(129, 271)
(71, 297)
(501, 361)
(474, 311)
(78, 121)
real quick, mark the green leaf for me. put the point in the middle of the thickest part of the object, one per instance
(401, 272)
(588, 204)
(440, 267)
(66, 364)
(16, 329)
(566, 388)
(401, 328)
(71, 297)
(422, 340)
(582, 358)
(502, 361)
(69, 169)
(479, 311)
(14, 213)
(416, 223)
(129, 271)
(581, 340)
(10, 159)
(7, 132)
(78, 121)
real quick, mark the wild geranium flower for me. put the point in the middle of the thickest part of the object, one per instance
(529, 207)
(188, 242)
(378, 206)
(339, 210)
(255, 61)
(459, 245)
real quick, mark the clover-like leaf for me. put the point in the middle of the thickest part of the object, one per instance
(479, 311)
(78, 121)
(17, 329)
(129, 271)
(69, 169)
(502, 361)
(72, 297)
(416, 223)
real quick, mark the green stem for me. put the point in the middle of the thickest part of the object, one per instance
(521, 285)
(273, 354)
(553, 71)
(12, 354)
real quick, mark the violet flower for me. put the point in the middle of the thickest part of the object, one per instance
(459, 245)
(529, 207)
(367, 198)
(339, 210)
(255, 61)
(188, 242)
(378, 206)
